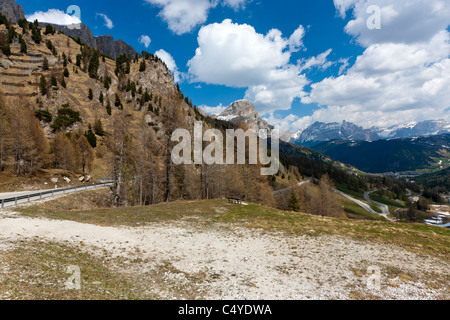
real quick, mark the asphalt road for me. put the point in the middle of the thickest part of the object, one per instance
(9, 199)
(384, 208)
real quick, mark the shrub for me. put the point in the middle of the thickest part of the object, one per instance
(44, 115)
(66, 118)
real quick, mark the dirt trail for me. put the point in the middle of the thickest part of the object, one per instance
(249, 264)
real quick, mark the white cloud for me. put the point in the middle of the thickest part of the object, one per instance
(321, 61)
(343, 6)
(389, 83)
(170, 62)
(235, 4)
(296, 39)
(406, 21)
(235, 55)
(183, 16)
(403, 74)
(54, 16)
(344, 65)
(213, 110)
(283, 124)
(108, 22)
(145, 40)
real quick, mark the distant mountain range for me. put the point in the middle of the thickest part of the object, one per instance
(394, 155)
(323, 132)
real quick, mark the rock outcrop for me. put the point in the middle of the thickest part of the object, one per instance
(245, 111)
(105, 44)
(113, 48)
(11, 10)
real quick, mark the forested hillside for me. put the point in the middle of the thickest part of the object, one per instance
(67, 106)
(395, 155)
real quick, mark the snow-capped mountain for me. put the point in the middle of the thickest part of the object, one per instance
(410, 130)
(245, 111)
(323, 132)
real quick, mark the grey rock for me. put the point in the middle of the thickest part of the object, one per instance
(244, 110)
(11, 10)
(105, 44)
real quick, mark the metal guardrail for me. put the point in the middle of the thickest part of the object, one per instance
(49, 193)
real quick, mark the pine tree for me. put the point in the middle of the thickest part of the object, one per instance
(78, 62)
(23, 45)
(100, 98)
(36, 34)
(108, 108)
(98, 128)
(117, 101)
(143, 66)
(294, 204)
(45, 66)
(53, 82)
(90, 94)
(90, 136)
(49, 30)
(43, 85)
(94, 65)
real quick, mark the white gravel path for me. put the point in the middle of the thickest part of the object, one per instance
(247, 264)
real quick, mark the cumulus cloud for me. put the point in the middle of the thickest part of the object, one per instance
(145, 40)
(407, 21)
(235, 4)
(321, 61)
(282, 124)
(404, 73)
(235, 55)
(170, 62)
(183, 16)
(108, 22)
(389, 83)
(54, 16)
(213, 110)
(296, 39)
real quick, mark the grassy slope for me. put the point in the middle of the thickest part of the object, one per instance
(37, 270)
(413, 237)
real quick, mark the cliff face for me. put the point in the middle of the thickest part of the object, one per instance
(244, 110)
(11, 10)
(113, 48)
(105, 44)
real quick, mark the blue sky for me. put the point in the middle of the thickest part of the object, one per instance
(298, 61)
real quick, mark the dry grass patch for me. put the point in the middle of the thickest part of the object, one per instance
(203, 214)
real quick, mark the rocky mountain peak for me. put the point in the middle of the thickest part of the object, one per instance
(244, 110)
(11, 10)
